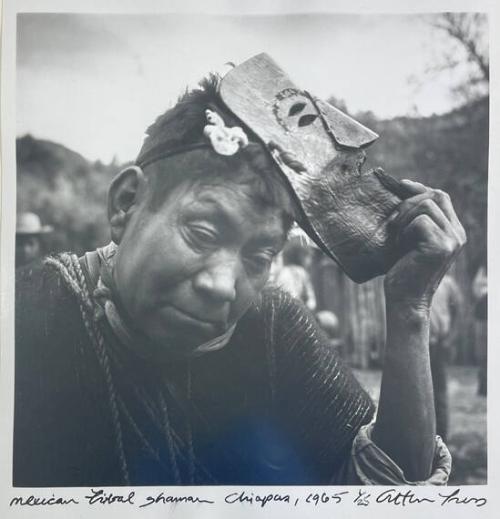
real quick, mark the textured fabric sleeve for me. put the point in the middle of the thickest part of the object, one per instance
(314, 393)
(367, 464)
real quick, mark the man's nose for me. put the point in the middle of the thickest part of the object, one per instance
(218, 279)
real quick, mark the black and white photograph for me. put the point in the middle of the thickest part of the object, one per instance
(245, 247)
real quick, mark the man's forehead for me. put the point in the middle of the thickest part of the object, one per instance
(251, 174)
(233, 199)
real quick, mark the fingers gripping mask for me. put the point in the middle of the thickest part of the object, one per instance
(319, 150)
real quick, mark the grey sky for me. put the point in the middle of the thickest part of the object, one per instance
(95, 82)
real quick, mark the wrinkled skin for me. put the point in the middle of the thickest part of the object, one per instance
(430, 236)
(429, 231)
(188, 271)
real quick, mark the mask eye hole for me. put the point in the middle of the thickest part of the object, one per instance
(296, 108)
(308, 119)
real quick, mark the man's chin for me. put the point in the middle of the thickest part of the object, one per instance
(172, 332)
(176, 345)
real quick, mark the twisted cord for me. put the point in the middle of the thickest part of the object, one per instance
(70, 269)
(178, 443)
(142, 437)
(271, 353)
(170, 441)
(71, 272)
(189, 427)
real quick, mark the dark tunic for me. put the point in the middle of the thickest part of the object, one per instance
(274, 406)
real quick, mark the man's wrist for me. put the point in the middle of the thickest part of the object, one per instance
(410, 314)
(408, 295)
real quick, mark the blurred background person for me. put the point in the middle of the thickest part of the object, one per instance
(445, 311)
(480, 292)
(293, 276)
(329, 323)
(29, 238)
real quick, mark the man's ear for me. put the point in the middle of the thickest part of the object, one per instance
(125, 191)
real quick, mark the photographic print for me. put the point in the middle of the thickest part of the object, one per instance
(248, 249)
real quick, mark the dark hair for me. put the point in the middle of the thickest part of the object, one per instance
(164, 155)
(181, 127)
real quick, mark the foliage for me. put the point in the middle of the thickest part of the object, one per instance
(466, 35)
(66, 190)
(469, 31)
(448, 152)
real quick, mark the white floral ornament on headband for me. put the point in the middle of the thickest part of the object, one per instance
(224, 140)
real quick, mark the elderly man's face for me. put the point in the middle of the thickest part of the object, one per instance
(188, 270)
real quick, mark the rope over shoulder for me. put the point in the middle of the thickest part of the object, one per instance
(68, 266)
(92, 309)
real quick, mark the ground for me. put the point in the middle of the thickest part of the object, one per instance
(467, 436)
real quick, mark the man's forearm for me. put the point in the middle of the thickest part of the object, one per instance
(405, 427)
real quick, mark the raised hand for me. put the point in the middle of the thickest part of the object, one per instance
(431, 235)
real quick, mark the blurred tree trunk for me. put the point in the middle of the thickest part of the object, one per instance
(360, 309)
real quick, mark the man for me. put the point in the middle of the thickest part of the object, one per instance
(329, 323)
(480, 293)
(445, 313)
(294, 277)
(29, 231)
(163, 359)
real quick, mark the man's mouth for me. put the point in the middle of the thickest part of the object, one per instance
(210, 326)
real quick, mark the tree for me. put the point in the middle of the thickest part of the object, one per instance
(468, 38)
(469, 31)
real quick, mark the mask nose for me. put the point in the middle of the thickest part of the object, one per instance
(218, 279)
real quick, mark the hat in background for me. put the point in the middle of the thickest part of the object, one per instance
(29, 223)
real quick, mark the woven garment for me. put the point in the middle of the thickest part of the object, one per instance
(275, 405)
